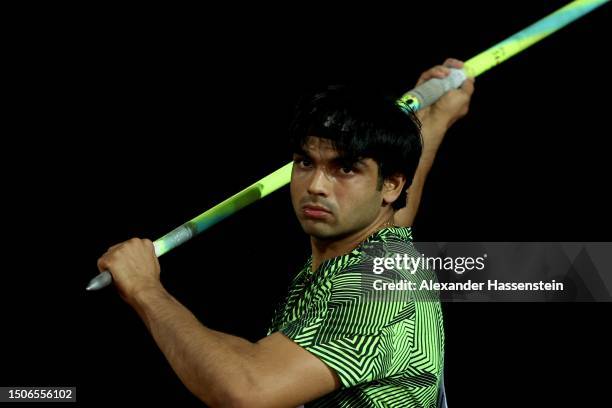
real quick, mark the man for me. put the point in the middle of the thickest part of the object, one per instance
(335, 341)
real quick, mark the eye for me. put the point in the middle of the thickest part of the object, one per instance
(303, 162)
(347, 170)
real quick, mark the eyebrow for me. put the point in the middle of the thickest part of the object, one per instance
(339, 160)
(301, 152)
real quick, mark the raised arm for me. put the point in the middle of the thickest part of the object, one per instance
(436, 120)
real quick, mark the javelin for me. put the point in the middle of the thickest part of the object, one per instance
(418, 98)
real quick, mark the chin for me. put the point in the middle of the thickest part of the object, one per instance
(318, 230)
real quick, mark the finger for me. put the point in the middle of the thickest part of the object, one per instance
(103, 263)
(114, 247)
(438, 71)
(143, 243)
(468, 86)
(453, 63)
(148, 243)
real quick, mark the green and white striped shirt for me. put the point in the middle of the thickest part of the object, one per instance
(387, 347)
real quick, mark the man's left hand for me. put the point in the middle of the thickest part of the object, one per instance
(452, 106)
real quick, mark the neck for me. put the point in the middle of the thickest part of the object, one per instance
(323, 250)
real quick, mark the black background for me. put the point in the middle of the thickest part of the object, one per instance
(128, 123)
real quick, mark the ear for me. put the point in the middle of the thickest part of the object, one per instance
(392, 187)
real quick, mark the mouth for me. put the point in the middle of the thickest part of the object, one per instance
(315, 211)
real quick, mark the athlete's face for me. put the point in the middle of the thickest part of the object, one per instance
(332, 198)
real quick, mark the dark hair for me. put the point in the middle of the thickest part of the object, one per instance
(362, 123)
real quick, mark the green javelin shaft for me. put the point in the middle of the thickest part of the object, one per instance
(529, 36)
(504, 50)
(473, 67)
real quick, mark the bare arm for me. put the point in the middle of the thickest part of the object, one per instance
(220, 369)
(405, 216)
(436, 120)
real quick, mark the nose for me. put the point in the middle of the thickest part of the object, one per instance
(319, 184)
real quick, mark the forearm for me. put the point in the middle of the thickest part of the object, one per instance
(414, 195)
(436, 120)
(214, 366)
(405, 216)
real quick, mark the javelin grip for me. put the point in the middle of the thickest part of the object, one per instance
(172, 239)
(429, 92)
